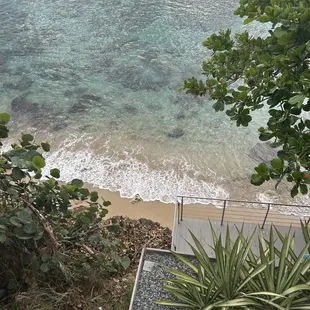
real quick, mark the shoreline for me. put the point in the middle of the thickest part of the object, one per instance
(156, 211)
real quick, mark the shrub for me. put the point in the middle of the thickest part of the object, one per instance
(41, 238)
(239, 279)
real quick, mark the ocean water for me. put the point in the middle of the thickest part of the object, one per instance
(99, 80)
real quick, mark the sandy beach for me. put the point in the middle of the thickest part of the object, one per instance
(155, 210)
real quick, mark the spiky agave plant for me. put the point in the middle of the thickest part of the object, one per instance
(238, 279)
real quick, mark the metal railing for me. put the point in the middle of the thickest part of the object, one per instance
(180, 206)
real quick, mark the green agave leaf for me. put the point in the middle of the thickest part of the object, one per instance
(185, 261)
(256, 271)
(296, 288)
(173, 304)
(182, 296)
(184, 277)
(266, 293)
(269, 302)
(239, 302)
(297, 268)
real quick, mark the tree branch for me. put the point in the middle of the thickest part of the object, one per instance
(46, 225)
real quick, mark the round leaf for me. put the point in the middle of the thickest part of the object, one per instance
(125, 262)
(46, 147)
(38, 162)
(15, 221)
(2, 238)
(257, 180)
(55, 173)
(27, 137)
(84, 192)
(77, 182)
(45, 257)
(24, 217)
(4, 118)
(303, 189)
(277, 163)
(106, 203)
(30, 228)
(94, 196)
(44, 267)
(17, 174)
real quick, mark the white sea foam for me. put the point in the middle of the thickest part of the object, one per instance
(127, 175)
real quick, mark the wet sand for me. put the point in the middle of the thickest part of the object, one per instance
(156, 211)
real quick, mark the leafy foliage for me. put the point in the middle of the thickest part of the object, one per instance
(41, 234)
(271, 71)
(239, 279)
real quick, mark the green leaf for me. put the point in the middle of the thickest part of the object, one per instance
(285, 155)
(15, 221)
(17, 174)
(308, 45)
(38, 235)
(45, 257)
(55, 173)
(46, 147)
(303, 189)
(294, 191)
(106, 203)
(262, 169)
(171, 304)
(84, 192)
(298, 99)
(24, 217)
(94, 196)
(30, 228)
(257, 180)
(44, 267)
(266, 136)
(27, 138)
(2, 238)
(3, 131)
(38, 176)
(277, 163)
(125, 262)
(38, 162)
(279, 32)
(248, 20)
(4, 118)
(77, 182)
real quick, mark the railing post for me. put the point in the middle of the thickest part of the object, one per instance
(182, 209)
(178, 212)
(222, 221)
(266, 216)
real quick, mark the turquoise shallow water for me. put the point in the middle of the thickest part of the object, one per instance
(99, 80)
